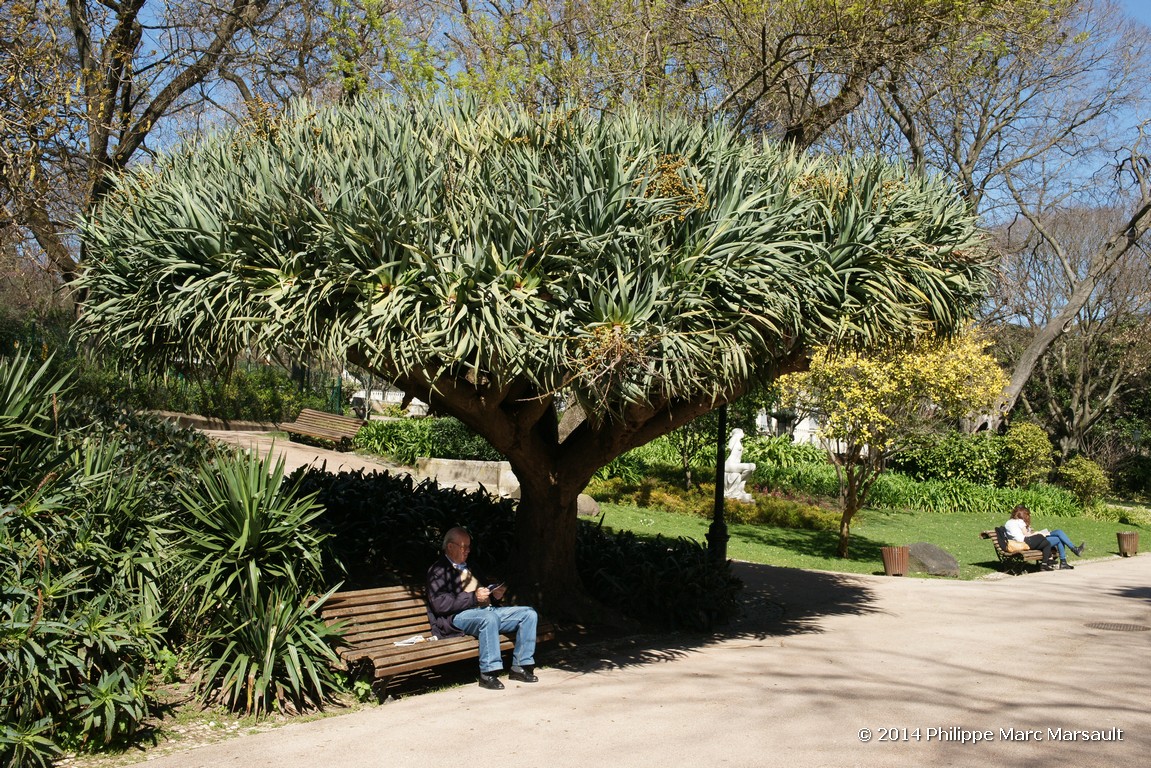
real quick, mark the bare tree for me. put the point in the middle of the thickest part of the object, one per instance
(1100, 356)
(41, 173)
(91, 84)
(788, 69)
(798, 69)
(1029, 124)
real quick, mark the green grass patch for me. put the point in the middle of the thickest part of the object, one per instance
(958, 533)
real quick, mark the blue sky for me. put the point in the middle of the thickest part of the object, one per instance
(1140, 9)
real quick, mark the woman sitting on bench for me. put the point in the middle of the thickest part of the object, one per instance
(1019, 531)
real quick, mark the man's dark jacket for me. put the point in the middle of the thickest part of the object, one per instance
(446, 597)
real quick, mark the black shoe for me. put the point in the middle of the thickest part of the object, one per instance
(1066, 566)
(522, 675)
(491, 682)
(1079, 550)
(1042, 567)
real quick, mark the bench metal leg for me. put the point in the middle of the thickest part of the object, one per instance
(380, 689)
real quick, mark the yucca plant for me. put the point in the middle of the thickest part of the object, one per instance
(86, 566)
(244, 527)
(28, 421)
(254, 559)
(268, 650)
(500, 264)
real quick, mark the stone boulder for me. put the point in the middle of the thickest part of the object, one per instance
(495, 476)
(588, 507)
(928, 558)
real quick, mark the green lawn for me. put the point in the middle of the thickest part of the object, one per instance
(956, 533)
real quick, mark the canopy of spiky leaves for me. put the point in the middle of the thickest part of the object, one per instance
(627, 258)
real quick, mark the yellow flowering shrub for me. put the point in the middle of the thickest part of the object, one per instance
(877, 399)
(868, 405)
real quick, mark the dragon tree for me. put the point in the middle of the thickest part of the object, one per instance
(503, 265)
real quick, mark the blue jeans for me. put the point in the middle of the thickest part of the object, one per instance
(486, 624)
(1059, 540)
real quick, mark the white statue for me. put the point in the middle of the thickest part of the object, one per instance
(735, 469)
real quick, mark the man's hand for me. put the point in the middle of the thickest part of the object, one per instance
(483, 595)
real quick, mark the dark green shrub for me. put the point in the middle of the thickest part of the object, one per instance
(41, 335)
(93, 567)
(29, 420)
(627, 467)
(954, 456)
(402, 440)
(385, 529)
(81, 551)
(1041, 499)
(167, 455)
(803, 479)
(893, 490)
(1027, 455)
(657, 460)
(452, 439)
(73, 660)
(262, 393)
(268, 650)
(244, 529)
(1133, 475)
(1085, 479)
(671, 583)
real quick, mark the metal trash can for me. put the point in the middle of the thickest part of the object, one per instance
(895, 560)
(1128, 542)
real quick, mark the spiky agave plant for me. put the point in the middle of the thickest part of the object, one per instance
(501, 263)
(253, 561)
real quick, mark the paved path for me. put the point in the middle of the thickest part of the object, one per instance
(297, 454)
(930, 664)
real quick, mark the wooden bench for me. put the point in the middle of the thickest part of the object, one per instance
(381, 627)
(329, 427)
(1015, 562)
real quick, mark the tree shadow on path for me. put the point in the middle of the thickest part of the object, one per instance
(775, 602)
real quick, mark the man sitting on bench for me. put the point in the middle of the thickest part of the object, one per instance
(458, 605)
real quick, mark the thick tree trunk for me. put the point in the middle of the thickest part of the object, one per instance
(47, 236)
(546, 526)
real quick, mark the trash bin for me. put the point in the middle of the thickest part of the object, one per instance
(1128, 542)
(895, 560)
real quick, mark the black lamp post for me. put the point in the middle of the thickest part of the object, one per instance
(717, 531)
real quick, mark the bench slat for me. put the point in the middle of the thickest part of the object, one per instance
(392, 604)
(427, 650)
(389, 631)
(360, 612)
